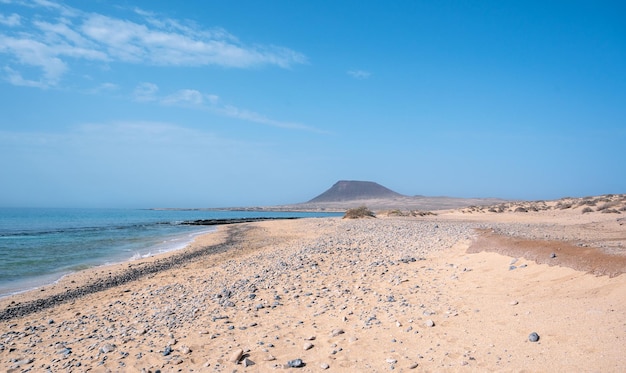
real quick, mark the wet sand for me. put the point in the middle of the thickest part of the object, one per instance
(451, 292)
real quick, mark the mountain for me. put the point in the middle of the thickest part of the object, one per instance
(350, 190)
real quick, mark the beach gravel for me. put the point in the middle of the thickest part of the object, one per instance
(342, 295)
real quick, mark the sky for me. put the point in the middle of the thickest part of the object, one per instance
(253, 103)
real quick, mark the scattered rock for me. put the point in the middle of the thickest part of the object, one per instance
(308, 346)
(236, 356)
(324, 366)
(296, 363)
(167, 350)
(533, 337)
(107, 348)
(429, 323)
(336, 332)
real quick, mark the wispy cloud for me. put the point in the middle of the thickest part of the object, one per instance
(11, 21)
(194, 99)
(359, 74)
(145, 92)
(54, 39)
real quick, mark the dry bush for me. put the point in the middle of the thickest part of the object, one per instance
(607, 205)
(587, 209)
(563, 206)
(396, 213)
(421, 213)
(358, 213)
(610, 211)
(520, 209)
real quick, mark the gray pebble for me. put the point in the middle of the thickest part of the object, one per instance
(296, 363)
(533, 337)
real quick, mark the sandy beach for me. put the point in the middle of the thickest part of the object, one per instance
(461, 290)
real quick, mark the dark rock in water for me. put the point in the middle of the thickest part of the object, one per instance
(297, 363)
(232, 221)
(533, 337)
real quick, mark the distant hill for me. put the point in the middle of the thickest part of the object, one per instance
(351, 190)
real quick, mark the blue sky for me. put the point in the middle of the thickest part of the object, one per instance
(237, 103)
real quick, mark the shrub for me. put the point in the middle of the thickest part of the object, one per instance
(587, 209)
(610, 211)
(520, 209)
(358, 213)
(607, 205)
(421, 213)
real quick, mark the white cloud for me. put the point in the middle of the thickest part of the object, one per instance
(62, 36)
(145, 92)
(184, 97)
(11, 21)
(359, 74)
(191, 98)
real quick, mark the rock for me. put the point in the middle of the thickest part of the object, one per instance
(247, 362)
(236, 356)
(413, 365)
(185, 350)
(107, 348)
(533, 337)
(336, 332)
(296, 363)
(308, 346)
(552, 256)
(167, 351)
(391, 361)
(429, 323)
(324, 366)
(514, 303)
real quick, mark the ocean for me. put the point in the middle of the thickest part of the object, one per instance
(38, 246)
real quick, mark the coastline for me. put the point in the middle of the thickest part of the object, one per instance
(340, 295)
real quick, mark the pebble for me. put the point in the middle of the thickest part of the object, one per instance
(167, 350)
(307, 346)
(429, 323)
(296, 363)
(107, 348)
(236, 355)
(336, 332)
(533, 337)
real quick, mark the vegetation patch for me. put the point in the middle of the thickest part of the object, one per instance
(359, 213)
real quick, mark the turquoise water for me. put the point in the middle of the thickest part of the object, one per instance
(38, 246)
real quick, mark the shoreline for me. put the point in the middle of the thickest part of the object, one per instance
(35, 283)
(342, 295)
(135, 270)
